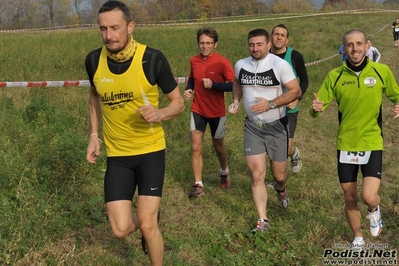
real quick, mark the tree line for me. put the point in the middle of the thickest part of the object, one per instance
(28, 14)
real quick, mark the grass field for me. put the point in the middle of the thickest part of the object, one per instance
(52, 210)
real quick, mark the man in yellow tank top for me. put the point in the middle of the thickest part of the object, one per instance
(125, 79)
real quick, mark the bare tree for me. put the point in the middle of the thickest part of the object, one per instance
(76, 4)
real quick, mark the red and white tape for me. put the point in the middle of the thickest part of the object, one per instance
(74, 83)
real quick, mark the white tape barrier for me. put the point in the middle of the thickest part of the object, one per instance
(86, 83)
(74, 83)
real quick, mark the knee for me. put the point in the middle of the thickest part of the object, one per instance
(120, 233)
(148, 230)
(196, 148)
(351, 199)
(370, 200)
(257, 178)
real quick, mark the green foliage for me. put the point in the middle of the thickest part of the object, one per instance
(52, 200)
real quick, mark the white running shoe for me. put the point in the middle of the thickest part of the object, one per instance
(358, 243)
(375, 221)
(296, 163)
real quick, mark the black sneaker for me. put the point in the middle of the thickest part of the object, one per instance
(143, 243)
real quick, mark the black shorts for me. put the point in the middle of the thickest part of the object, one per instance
(395, 36)
(292, 121)
(217, 124)
(124, 173)
(348, 172)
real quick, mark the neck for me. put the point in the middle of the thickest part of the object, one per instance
(279, 50)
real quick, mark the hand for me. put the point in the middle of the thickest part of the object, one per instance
(293, 104)
(396, 110)
(207, 83)
(93, 149)
(150, 114)
(188, 94)
(234, 107)
(261, 106)
(317, 104)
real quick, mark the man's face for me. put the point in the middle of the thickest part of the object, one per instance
(206, 45)
(115, 31)
(355, 47)
(279, 38)
(258, 47)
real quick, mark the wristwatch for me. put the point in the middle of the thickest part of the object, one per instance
(272, 105)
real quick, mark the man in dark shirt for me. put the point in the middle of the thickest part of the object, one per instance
(279, 40)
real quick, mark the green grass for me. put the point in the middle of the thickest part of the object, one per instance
(52, 200)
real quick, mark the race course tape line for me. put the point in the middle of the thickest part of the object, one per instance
(180, 80)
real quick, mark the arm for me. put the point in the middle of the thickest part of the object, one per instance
(222, 86)
(324, 96)
(237, 94)
(293, 93)
(228, 75)
(176, 105)
(378, 55)
(302, 73)
(93, 149)
(188, 92)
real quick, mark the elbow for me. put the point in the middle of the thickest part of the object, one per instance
(181, 106)
(299, 94)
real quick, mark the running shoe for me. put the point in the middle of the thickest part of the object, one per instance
(283, 199)
(358, 243)
(143, 243)
(224, 181)
(375, 222)
(296, 163)
(272, 184)
(196, 191)
(261, 226)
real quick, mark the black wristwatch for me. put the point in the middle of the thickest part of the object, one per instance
(272, 105)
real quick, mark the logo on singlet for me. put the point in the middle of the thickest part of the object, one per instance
(107, 80)
(348, 83)
(370, 81)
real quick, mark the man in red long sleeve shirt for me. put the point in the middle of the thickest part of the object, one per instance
(210, 76)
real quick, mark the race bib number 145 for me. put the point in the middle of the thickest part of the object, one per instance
(354, 157)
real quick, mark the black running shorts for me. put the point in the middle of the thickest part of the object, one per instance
(124, 173)
(217, 124)
(348, 172)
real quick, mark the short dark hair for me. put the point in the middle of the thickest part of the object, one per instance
(111, 5)
(282, 26)
(351, 32)
(258, 32)
(208, 31)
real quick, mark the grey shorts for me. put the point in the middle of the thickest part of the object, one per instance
(271, 138)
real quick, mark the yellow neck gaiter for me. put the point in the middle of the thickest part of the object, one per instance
(126, 53)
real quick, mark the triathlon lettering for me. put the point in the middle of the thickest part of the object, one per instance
(256, 80)
(267, 78)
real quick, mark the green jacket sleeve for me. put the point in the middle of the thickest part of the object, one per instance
(326, 92)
